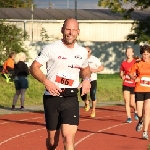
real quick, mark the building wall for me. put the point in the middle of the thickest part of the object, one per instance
(103, 30)
(106, 38)
(111, 54)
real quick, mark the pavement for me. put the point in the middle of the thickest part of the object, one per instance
(7, 110)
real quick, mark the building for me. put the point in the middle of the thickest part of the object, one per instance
(104, 32)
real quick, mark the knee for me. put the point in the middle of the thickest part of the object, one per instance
(139, 113)
(17, 93)
(146, 111)
(93, 97)
(132, 104)
(69, 139)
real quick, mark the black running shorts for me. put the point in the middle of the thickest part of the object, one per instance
(142, 96)
(60, 110)
(128, 88)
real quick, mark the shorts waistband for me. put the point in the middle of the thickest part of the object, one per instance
(68, 92)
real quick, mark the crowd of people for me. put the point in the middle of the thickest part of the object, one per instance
(67, 62)
(136, 87)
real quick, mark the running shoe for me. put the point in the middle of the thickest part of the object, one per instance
(129, 120)
(87, 107)
(139, 126)
(145, 135)
(22, 108)
(93, 114)
(13, 107)
(136, 116)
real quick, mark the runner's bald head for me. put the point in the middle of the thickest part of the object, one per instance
(70, 20)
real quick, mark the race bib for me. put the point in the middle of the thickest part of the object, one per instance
(64, 78)
(128, 79)
(145, 81)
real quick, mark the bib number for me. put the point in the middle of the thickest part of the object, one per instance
(145, 81)
(64, 81)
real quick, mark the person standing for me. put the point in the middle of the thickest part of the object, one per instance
(95, 67)
(21, 72)
(142, 89)
(128, 84)
(64, 60)
(8, 67)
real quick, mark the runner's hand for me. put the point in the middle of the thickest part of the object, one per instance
(80, 86)
(92, 70)
(137, 79)
(86, 85)
(52, 88)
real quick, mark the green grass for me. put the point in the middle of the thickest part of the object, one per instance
(109, 89)
(33, 94)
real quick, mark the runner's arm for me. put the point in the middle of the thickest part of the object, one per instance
(133, 71)
(85, 73)
(122, 74)
(36, 72)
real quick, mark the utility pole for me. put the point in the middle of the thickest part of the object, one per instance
(67, 3)
(32, 19)
(76, 9)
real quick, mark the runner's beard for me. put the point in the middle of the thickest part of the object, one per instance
(69, 42)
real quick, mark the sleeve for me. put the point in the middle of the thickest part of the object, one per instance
(98, 63)
(85, 62)
(44, 55)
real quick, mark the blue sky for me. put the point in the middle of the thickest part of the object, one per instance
(81, 4)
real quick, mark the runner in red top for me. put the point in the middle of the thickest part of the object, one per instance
(128, 84)
(142, 89)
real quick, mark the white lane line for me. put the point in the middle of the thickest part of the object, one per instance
(5, 141)
(89, 135)
(19, 120)
(101, 117)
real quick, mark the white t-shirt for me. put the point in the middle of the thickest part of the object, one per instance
(94, 63)
(63, 64)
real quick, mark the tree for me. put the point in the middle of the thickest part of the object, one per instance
(141, 28)
(11, 39)
(16, 3)
(45, 38)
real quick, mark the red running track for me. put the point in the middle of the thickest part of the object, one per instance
(107, 131)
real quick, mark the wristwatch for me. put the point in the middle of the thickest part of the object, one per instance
(87, 79)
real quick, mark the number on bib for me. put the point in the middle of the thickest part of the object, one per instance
(64, 81)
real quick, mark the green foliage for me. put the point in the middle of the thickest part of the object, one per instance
(125, 8)
(45, 37)
(11, 39)
(141, 31)
(16, 3)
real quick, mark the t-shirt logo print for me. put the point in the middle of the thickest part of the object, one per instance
(78, 57)
(61, 57)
